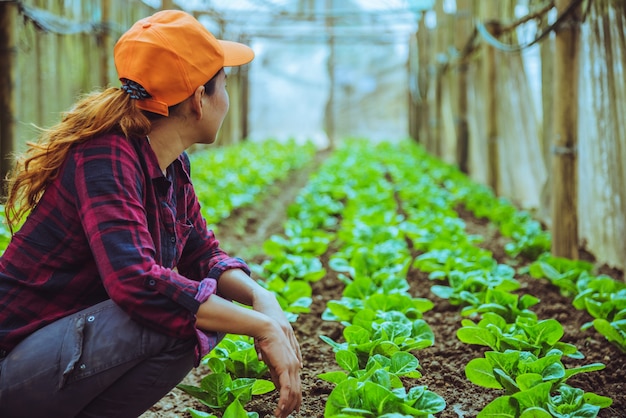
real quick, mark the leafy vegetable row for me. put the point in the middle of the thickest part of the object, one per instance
(603, 297)
(230, 177)
(527, 352)
(383, 323)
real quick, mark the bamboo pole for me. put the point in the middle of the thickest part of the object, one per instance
(441, 46)
(564, 153)
(463, 32)
(413, 99)
(8, 53)
(423, 79)
(493, 161)
(104, 40)
(330, 103)
(244, 80)
(41, 65)
(547, 104)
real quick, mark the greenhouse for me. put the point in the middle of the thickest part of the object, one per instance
(313, 208)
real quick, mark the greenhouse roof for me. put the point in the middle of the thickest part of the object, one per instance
(362, 21)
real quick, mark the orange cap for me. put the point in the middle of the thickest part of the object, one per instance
(170, 54)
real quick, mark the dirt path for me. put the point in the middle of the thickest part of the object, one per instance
(442, 365)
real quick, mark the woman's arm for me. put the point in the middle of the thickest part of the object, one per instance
(266, 323)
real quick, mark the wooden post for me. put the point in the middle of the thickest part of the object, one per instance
(244, 81)
(330, 103)
(8, 53)
(547, 134)
(39, 63)
(493, 160)
(104, 40)
(441, 43)
(463, 32)
(423, 79)
(564, 151)
(412, 74)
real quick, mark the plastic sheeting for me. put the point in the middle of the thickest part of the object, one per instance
(524, 138)
(602, 133)
(290, 88)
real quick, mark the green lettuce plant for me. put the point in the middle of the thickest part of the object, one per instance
(538, 337)
(386, 338)
(218, 390)
(561, 272)
(237, 355)
(347, 307)
(509, 369)
(377, 398)
(399, 364)
(536, 400)
(234, 410)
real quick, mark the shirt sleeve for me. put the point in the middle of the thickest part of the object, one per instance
(110, 188)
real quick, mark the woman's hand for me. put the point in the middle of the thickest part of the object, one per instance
(284, 363)
(286, 377)
(274, 338)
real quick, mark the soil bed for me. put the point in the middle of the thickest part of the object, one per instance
(442, 365)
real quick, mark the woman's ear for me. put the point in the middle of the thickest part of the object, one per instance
(196, 102)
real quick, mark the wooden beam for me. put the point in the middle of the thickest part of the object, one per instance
(463, 33)
(8, 53)
(423, 79)
(493, 134)
(564, 150)
(329, 115)
(104, 40)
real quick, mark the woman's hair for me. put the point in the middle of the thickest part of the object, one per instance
(108, 111)
(111, 110)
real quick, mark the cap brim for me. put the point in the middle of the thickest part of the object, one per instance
(236, 54)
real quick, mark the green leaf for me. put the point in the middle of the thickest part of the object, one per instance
(501, 407)
(343, 396)
(535, 412)
(403, 363)
(262, 386)
(420, 401)
(378, 397)
(583, 369)
(347, 360)
(509, 385)
(200, 414)
(480, 372)
(476, 335)
(612, 332)
(536, 396)
(333, 377)
(235, 410)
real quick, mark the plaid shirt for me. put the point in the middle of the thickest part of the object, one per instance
(111, 225)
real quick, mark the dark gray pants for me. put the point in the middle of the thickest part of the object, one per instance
(95, 363)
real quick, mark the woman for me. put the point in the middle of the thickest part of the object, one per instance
(113, 288)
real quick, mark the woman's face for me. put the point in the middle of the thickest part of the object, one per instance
(215, 108)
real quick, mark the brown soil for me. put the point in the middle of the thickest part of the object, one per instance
(442, 365)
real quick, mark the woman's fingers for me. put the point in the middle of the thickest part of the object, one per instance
(284, 366)
(290, 395)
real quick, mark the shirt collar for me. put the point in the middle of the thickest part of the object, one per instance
(154, 170)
